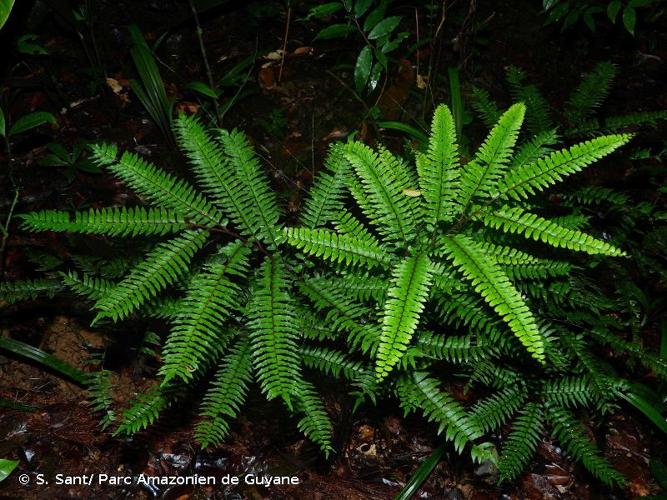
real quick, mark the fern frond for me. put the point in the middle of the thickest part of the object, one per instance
(343, 314)
(252, 188)
(336, 247)
(91, 287)
(100, 400)
(521, 444)
(595, 195)
(226, 395)
(649, 360)
(493, 412)
(523, 181)
(161, 267)
(357, 286)
(457, 350)
(485, 107)
(143, 411)
(569, 392)
(273, 333)
(542, 269)
(315, 423)
(348, 224)
(439, 169)
(591, 93)
(537, 147)
(423, 392)
(411, 281)
(162, 189)
(515, 220)
(570, 434)
(492, 284)
(133, 221)
(325, 199)
(336, 363)
(197, 336)
(537, 108)
(480, 176)
(17, 291)
(393, 212)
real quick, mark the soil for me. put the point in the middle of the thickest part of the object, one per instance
(294, 112)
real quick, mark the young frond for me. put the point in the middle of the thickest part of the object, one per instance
(591, 93)
(252, 188)
(411, 281)
(422, 391)
(522, 442)
(570, 434)
(273, 332)
(133, 221)
(515, 220)
(336, 247)
(325, 199)
(162, 189)
(481, 174)
(162, 266)
(226, 395)
(197, 336)
(492, 284)
(528, 179)
(439, 169)
(394, 212)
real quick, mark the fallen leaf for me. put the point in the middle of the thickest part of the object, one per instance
(412, 193)
(114, 85)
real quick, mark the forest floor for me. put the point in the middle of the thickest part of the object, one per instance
(292, 122)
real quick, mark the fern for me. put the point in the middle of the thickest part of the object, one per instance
(521, 443)
(591, 93)
(17, 291)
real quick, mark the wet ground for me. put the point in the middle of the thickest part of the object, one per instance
(294, 110)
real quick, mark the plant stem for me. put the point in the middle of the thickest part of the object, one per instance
(282, 59)
(204, 55)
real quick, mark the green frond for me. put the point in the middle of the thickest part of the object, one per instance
(423, 392)
(162, 266)
(540, 270)
(143, 411)
(392, 211)
(439, 169)
(492, 375)
(252, 189)
(197, 336)
(481, 174)
(469, 310)
(595, 195)
(226, 395)
(523, 181)
(530, 151)
(163, 308)
(337, 363)
(633, 120)
(18, 291)
(515, 220)
(358, 287)
(537, 108)
(411, 281)
(569, 392)
(651, 361)
(133, 221)
(521, 444)
(343, 314)
(112, 268)
(493, 412)
(457, 350)
(571, 435)
(348, 224)
(485, 107)
(336, 247)
(273, 332)
(590, 93)
(91, 287)
(325, 198)
(100, 400)
(492, 284)
(315, 423)
(162, 189)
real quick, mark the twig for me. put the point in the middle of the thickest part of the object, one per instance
(282, 59)
(202, 49)
(5, 231)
